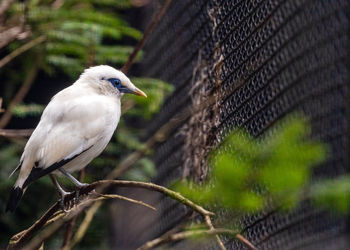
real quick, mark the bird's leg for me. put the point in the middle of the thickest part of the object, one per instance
(77, 183)
(60, 190)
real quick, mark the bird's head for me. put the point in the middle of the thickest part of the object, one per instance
(109, 81)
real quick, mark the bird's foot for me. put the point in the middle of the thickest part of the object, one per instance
(62, 200)
(77, 192)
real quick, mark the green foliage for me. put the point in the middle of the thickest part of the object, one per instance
(156, 92)
(332, 194)
(78, 33)
(144, 170)
(247, 173)
(128, 138)
(29, 109)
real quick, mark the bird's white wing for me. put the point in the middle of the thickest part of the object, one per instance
(71, 124)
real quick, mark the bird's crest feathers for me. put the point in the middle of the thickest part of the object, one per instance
(99, 74)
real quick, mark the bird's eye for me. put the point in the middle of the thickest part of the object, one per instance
(115, 82)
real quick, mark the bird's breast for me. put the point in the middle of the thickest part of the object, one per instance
(105, 124)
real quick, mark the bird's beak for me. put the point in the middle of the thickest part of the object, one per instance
(132, 90)
(139, 92)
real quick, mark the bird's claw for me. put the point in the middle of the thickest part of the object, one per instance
(77, 192)
(76, 199)
(62, 200)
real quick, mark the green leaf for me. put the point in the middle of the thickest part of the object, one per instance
(332, 194)
(29, 109)
(248, 173)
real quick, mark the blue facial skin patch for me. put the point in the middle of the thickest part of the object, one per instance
(118, 84)
(115, 82)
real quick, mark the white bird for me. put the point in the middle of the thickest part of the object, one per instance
(74, 128)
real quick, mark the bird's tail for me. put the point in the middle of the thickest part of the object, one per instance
(15, 197)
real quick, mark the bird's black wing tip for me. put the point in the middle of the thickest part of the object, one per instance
(15, 197)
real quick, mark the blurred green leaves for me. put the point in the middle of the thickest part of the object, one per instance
(29, 109)
(248, 174)
(156, 91)
(332, 194)
(78, 33)
(143, 170)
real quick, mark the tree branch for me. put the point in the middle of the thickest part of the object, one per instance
(52, 227)
(4, 6)
(21, 50)
(11, 34)
(16, 132)
(188, 234)
(104, 184)
(68, 233)
(57, 4)
(211, 227)
(54, 218)
(245, 241)
(59, 220)
(23, 236)
(120, 197)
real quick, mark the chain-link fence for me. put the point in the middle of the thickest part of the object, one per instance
(259, 60)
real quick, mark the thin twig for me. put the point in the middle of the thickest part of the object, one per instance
(16, 132)
(120, 197)
(1, 109)
(19, 31)
(21, 50)
(22, 92)
(68, 233)
(185, 235)
(211, 227)
(9, 35)
(145, 36)
(245, 241)
(176, 229)
(104, 184)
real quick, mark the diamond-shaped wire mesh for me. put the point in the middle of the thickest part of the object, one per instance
(276, 56)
